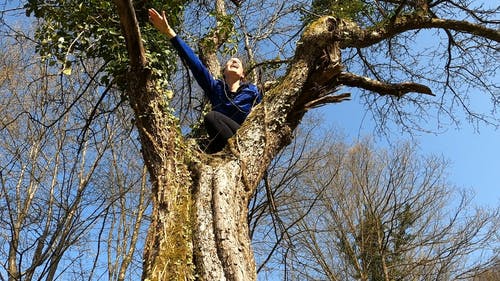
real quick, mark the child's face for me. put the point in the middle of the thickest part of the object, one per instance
(234, 67)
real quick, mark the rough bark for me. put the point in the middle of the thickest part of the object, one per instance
(168, 249)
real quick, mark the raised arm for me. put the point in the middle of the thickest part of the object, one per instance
(200, 72)
(161, 23)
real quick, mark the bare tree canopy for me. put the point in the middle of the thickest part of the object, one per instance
(355, 212)
(73, 188)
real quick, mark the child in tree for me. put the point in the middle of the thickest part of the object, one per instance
(231, 97)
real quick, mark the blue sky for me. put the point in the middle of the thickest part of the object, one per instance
(474, 155)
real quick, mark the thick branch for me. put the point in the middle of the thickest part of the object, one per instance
(467, 27)
(166, 257)
(311, 73)
(130, 29)
(382, 88)
(351, 35)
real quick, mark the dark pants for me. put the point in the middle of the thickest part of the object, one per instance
(219, 128)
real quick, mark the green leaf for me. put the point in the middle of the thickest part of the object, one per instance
(67, 71)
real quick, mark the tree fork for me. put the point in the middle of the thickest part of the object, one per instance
(227, 180)
(199, 223)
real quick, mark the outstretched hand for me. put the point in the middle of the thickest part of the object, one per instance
(161, 23)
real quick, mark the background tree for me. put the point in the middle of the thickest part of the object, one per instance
(322, 223)
(73, 190)
(383, 215)
(201, 201)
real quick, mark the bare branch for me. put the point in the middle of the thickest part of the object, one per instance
(398, 90)
(209, 44)
(131, 31)
(328, 99)
(237, 3)
(351, 35)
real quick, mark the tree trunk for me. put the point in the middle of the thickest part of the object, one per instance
(199, 227)
(221, 241)
(13, 271)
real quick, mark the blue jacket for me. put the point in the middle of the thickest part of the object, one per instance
(234, 105)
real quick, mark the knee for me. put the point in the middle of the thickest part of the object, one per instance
(211, 122)
(210, 117)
